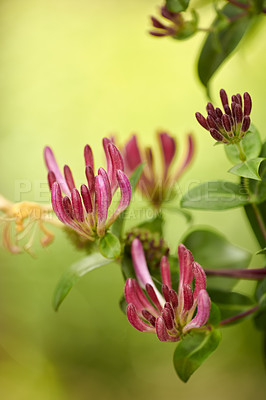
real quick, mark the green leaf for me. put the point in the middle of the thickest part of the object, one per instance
(154, 224)
(251, 144)
(219, 45)
(258, 189)
(176, 210)
(260, 317)
(215, 315)
(215, 195)
(261, 289)
(193, 350)
(262, 251)
(248, 169)
(230, 303)
(118, 225)
(72, 275)
(177, 5)
(252, 210)
(213, 251)
(109, 246)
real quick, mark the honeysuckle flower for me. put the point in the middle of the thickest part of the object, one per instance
(21, 223)
(231, 125)
(86, 211)
(156, 186)
(169, 314)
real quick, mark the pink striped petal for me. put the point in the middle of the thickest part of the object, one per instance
(57, 203)
(51, 179)
(132, 154)
(131, 295)
(103, 173)
(90, 179)
(168, 319)
(68, 207)
(117, 164)
(125, 192)
(185, 265)
(200, 279)
(165, 272)
(52, 165)
(143, 299)
(101, 200)
(153, 296)
(88, 156)
(203, 312)
(77, 205)
(136, 321)
(162, 333)
(86, 197)
(188, 298)
(69, 178)
(106, 143)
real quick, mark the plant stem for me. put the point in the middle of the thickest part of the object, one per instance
(239, 5)
(238, 316)
(259, 219)
(254, 274)
(242, 154)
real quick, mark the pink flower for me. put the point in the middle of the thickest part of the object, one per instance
(170, 315)
(86, 211)
(232, 125)
(156, 187)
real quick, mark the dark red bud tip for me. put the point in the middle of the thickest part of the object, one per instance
(149, 317)
(238, 113)
(68, 207)
(158, 34)
(245, 124)
(219, 112)
(247, 103)
(216, 135)
(224, 98)
(201, 120)
(227, 110)
(239, 99)
(234, 98)
(157, 24)
(226, 123)
(51, 179)
(210, 109)
(211, 122)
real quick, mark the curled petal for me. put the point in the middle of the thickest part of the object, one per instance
(185, 265)
(165, 272)
(52, 165)
(69, 178)
(143, 299)
(106, 142)
(77, 205)
(101, 200)
(125, 191)
(151, 292)
(58, 207)
(103, 173)
(117, 164)
(162, 333)
(136, 321)
(131, 295)
(200, 279)
(203, 312)
(88, 157)
(132, 154)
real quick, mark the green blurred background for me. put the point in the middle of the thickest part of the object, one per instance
(73, 71)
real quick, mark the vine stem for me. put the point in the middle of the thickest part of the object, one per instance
(239, 4)
(253, 274)
(238, 316)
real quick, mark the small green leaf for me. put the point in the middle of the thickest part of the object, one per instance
(260, 317)
(118, 225)
(261, 289)
(251, 144)
(230, 303)
(72, 275)
(215, 315)
(258, 188)
(220, 44)
(248, 169)
(213, 251)
(177, 5)
(215, 195)
(109, 246)
(193, 350)
(253, 211)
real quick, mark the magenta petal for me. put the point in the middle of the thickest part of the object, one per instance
(153, 296)
(132, 154)
(101, 200)
(165, 272)
(106, 143)
(131, 295)
(52, 165)
(68, 207)
(203, 312)
(57, 203)
(143, 299)
(162, 333)
(188, 298)
(200, 279)
(125, 191)
(86, 197)
(69, 178)
(117, 164)
(168, 146)
(77, 205)
(136, 321)
(90, 179)
(168, 319)
(185, 265)
(103, 173)
(51, 179)
(88, 156)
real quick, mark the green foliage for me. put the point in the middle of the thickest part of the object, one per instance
(74, 273)
(215, 195)
(251, 144)
(215, 315)
(221, 41)
(213, 251)
(177, 5)
(193, 350)
(248, 169)
(109, 246)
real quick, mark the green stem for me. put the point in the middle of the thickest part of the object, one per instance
(242, 154)
(259, 219)
(238, 316)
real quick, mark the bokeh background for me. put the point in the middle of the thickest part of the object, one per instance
(71, 72)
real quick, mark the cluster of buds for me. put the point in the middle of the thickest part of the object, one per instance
(153, 186)
(86, 212)
(231, 126)
(21, 221)
(170, 315)
(178, 28)
(153, 245)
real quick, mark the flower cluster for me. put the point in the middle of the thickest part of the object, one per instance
(152, 185)
(232, 125)
(87, 211)
(170, 315)
(20, 223)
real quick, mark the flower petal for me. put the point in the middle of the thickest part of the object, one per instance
(136, 321)
(200, 279)
(125, 191)
(162, 333)
(101, 201)
(165, 272)
(103, 173)
(69, 178)
(203, 312)
(52, 165)
(132, 154)
(88, 156)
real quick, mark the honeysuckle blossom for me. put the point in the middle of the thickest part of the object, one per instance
(232, 125)
(22, 221)
(86, 211)
(153, 184)
(169, 314)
